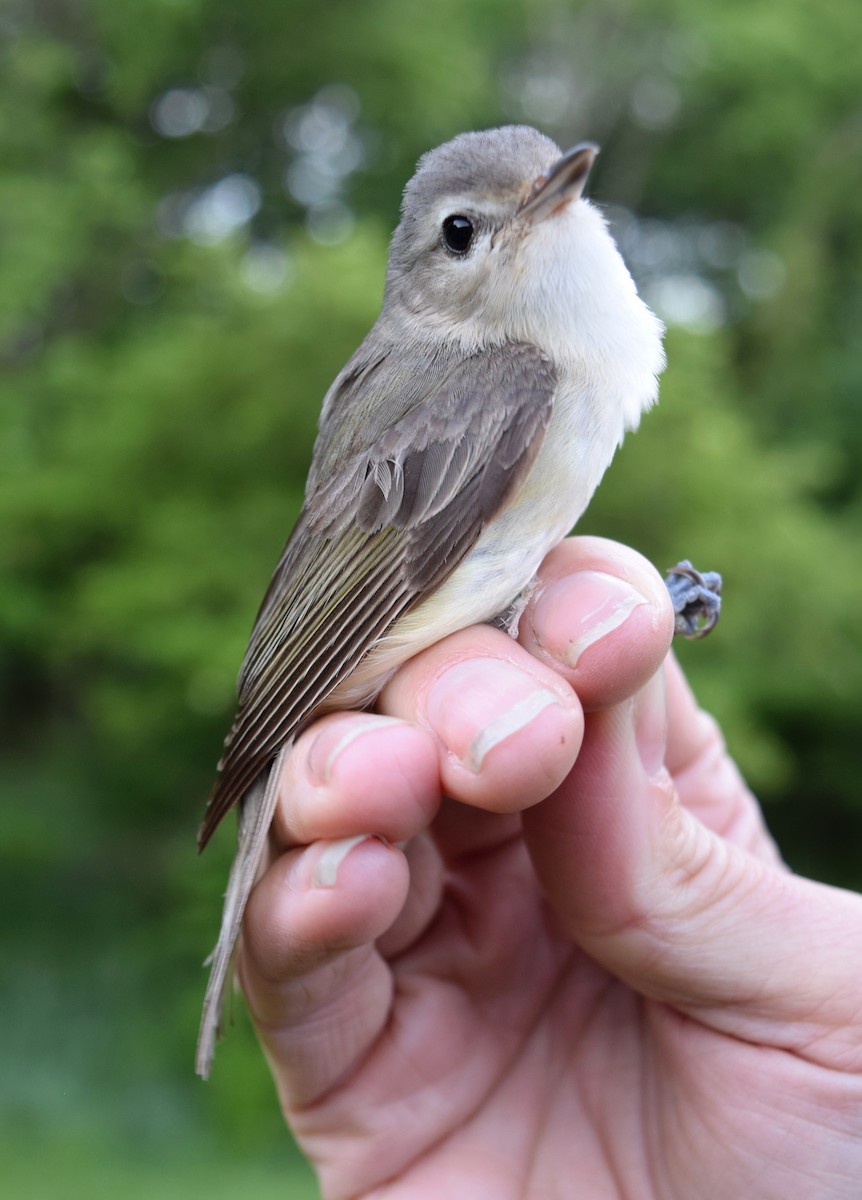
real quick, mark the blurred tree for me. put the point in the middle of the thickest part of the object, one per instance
(194, 203)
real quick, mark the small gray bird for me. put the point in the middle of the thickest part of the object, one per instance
(461, 442)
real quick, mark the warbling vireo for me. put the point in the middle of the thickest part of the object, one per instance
(460, 443)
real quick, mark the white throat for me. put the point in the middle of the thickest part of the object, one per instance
(577, 301)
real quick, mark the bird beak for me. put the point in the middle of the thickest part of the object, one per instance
(560, 184)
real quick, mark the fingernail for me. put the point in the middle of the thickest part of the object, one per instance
(650, 720)
(576, 612)
(476, 705)
(334, 739)
(325, 873)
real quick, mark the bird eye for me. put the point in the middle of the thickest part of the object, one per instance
(458, 234)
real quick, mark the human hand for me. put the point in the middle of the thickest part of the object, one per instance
(587, 971)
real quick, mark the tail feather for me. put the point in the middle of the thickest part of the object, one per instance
(255, 817)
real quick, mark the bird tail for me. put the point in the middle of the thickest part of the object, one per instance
(255, 817)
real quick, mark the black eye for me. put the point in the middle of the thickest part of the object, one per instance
(458, 234)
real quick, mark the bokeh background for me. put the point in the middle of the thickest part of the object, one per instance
(195, 200)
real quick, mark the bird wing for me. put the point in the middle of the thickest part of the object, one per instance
(383, 526)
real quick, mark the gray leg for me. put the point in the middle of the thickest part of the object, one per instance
(696, 599)
(510, 618)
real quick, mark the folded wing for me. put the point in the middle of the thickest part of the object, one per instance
(382, 527)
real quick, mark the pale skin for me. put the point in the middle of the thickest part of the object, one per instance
(586, 973)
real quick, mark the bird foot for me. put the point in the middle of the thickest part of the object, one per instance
(696, 599)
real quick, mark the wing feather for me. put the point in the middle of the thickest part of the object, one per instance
(381, 528)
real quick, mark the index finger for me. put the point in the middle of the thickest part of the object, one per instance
(601, 617)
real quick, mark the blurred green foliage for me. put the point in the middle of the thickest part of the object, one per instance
(195, 198)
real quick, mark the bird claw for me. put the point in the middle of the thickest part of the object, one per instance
(696, 599)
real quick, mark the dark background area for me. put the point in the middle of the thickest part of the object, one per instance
(195, 201)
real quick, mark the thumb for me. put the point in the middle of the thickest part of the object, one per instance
(683, 915)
